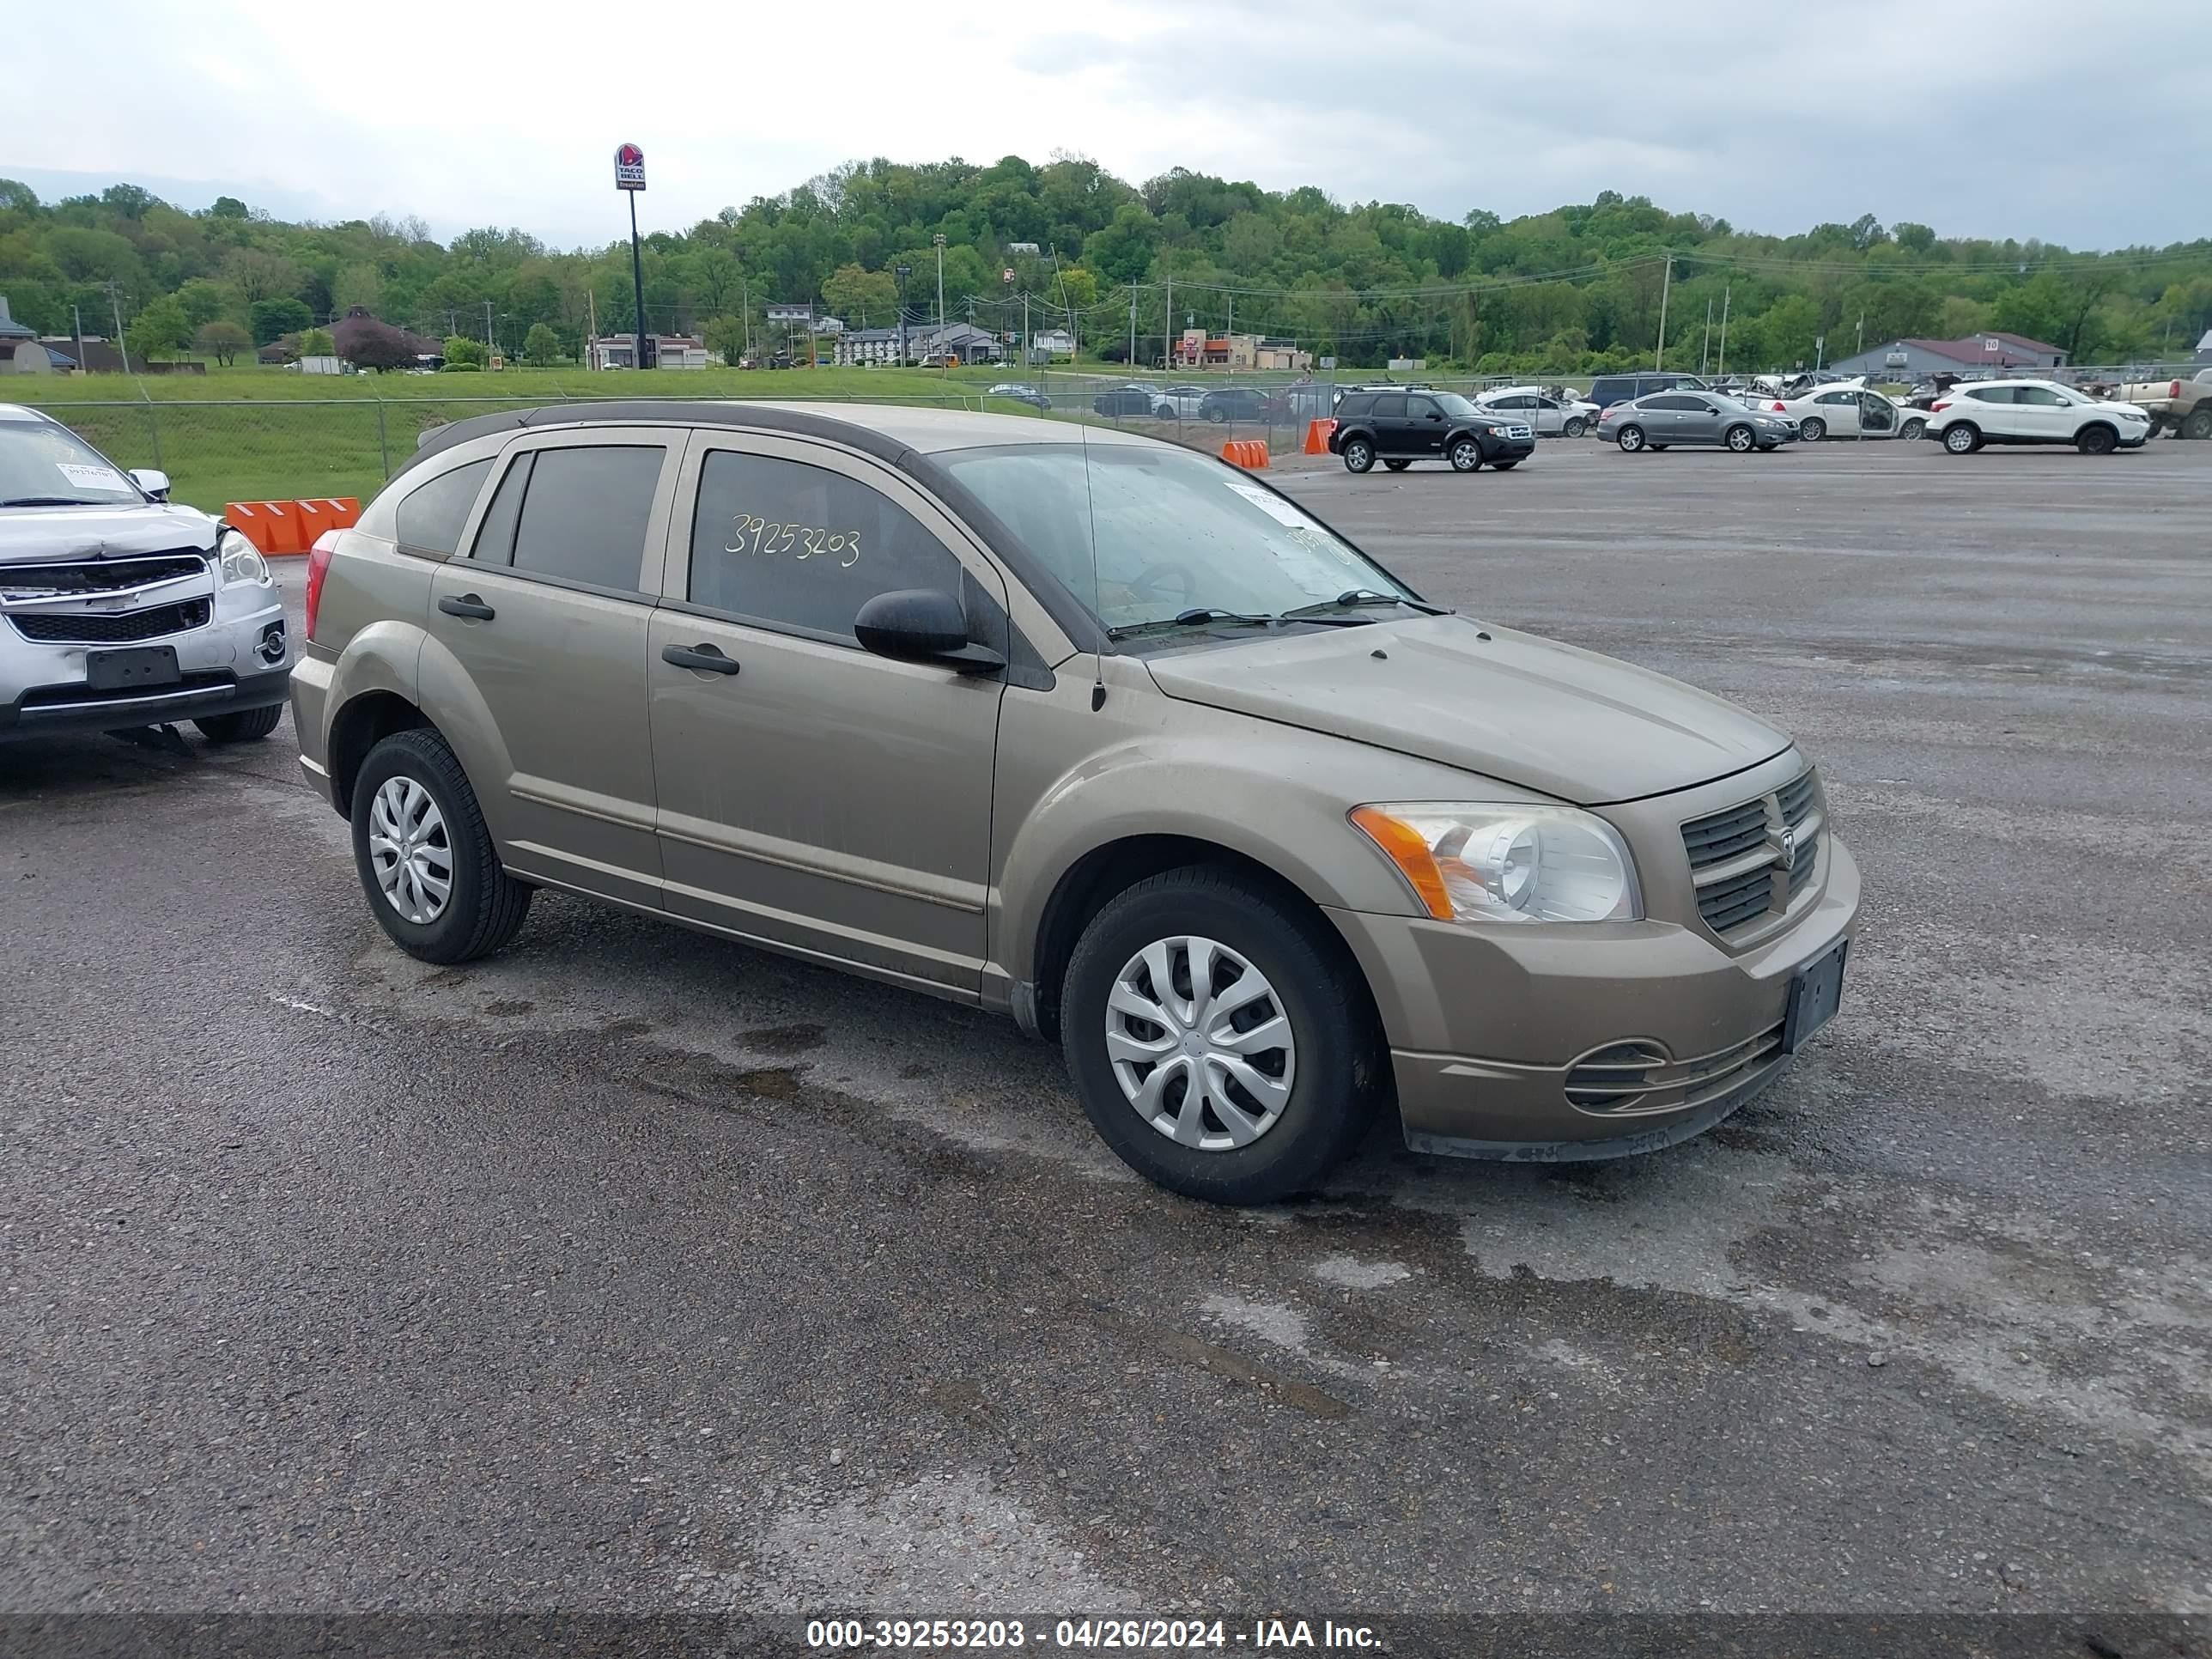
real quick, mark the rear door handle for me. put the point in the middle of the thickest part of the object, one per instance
(467, 606)
(698, 656)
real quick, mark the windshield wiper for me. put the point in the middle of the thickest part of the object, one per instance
(49, 500)
(1359, 596)
(1197, 616)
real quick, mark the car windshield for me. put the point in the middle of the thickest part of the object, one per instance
(1174, 533)
(42, 464)
(1459, 409)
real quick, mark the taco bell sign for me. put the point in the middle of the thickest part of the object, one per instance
(629, 167)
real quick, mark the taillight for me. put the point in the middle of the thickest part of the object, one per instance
(319, 566)
(1781, 409)
(2174, 390)
(1937, 408)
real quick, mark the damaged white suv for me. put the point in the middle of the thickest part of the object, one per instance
(119, 609)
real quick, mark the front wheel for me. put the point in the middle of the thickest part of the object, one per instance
(1218, 1038)
(2097, 440)
(1466, 456)
(1741, 438)
(1629, 438)
(245, 726)
(1961, 439)
(1359, 456)
(1572, 430)
(1913, 431)
(1814, 429)
(425, 854)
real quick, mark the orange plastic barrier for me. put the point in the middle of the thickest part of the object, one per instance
(1250, 454)
(272, 526)
(324, 513)
(1318, 433)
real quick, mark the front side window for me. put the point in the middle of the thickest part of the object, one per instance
(1669, 401)
(1389, 408)
(429, 520)
(1173, 531)
(585, 512)
(1422, 409)
(2043, 396)
(803, 547)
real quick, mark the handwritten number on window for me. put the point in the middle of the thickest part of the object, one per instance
(762, 540)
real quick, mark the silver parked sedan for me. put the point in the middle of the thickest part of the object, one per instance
(1667, 418)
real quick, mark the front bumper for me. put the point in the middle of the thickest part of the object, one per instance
(1508, 449)
(49, 711)
(1486, 1024)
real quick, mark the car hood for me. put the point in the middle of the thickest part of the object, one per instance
(1566, 722)
(28, 534)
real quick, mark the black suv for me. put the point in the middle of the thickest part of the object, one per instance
(1401, 428)
(1610, 389)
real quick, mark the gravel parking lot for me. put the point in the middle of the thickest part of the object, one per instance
(636, 1270)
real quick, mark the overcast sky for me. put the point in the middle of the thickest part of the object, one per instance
(2086, 122)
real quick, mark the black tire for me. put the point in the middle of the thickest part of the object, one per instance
(2198, 424)
(1359, 455)
(1741, 438)
(1465, 456)
(246, 726)
(1913, 431)
(487, 906)
(1629, 438)
(1215, 415)
(1811, 429)
(1961, 438)
(2097, 440)
(1397, 467)
(1573, 428)
(1342, 1069)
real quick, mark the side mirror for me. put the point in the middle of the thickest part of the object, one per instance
(923, 624)
(152, 480)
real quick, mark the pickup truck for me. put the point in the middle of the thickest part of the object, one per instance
(2183, 407)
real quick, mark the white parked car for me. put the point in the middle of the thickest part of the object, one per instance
(1847, 409)
(1177, 402)
(1534, 407)
(2033, 412)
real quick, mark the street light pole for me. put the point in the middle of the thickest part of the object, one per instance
(904, 271)
(1667, 283)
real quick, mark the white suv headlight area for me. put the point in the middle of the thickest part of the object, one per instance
(241, 560)
(1472, 861)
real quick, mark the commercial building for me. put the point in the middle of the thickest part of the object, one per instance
(1196, 349)
(1987, 354)
(669, 351)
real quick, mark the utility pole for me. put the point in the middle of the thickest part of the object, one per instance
(1722, 369)
(491, 345)
(1026, 352)
(746, 305)
(1166, 328)
(591, 328)
(1666, 282)
(77, 313)
(1861, 344)
(938, 242)
(115, 299)
(1704, 350)
(904, 271)
(1133, 326)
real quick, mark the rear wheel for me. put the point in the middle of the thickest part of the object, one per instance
(1358, 456)
(1629, 438)
(1962, 438)
(246, 726)
(1814, 429)
(425, 855)
(2199, 424)
(2097, 440)
(1219, 1038)
(1466, 456)
(1741, 438)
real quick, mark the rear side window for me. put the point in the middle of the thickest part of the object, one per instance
(1993, 394)
(430, 518)
(1358, 404)
(802, 547)
(584, 514)
(1672, 401)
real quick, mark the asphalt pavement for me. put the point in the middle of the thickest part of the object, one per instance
(638, 1270)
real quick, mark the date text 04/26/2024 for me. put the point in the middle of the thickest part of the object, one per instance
(1124, 1635)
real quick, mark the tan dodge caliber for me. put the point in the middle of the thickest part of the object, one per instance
(1084, 728)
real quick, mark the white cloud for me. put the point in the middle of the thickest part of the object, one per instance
(1974, 116)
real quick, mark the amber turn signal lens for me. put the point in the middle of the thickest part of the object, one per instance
(1403, 845)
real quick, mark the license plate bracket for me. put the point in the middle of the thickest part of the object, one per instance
(1816, 991)
(138, 668)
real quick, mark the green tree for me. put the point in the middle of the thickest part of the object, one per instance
(852, 292)
(356, 285)
(461, 348)
(222, 340)
(726, 338)
(205, 301)
(317, 343)
(272, 318)
(162, 330)
(541, 347)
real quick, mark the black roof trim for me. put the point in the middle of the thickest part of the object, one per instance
(1082, 630)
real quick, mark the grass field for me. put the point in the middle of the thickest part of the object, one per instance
(252, 434)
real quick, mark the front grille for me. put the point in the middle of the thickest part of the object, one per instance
(1626, 1078)
(25, 581)
(1750, 862)
(113, 627)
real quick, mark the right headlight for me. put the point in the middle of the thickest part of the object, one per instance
(242, 561)
(1472, 861)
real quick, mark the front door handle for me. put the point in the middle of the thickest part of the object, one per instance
(703, 657)
(467, 606)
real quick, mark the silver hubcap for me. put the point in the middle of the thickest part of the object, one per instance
(408, 850)
(1957, 438)
(1463, 457)
(1199, 1044)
